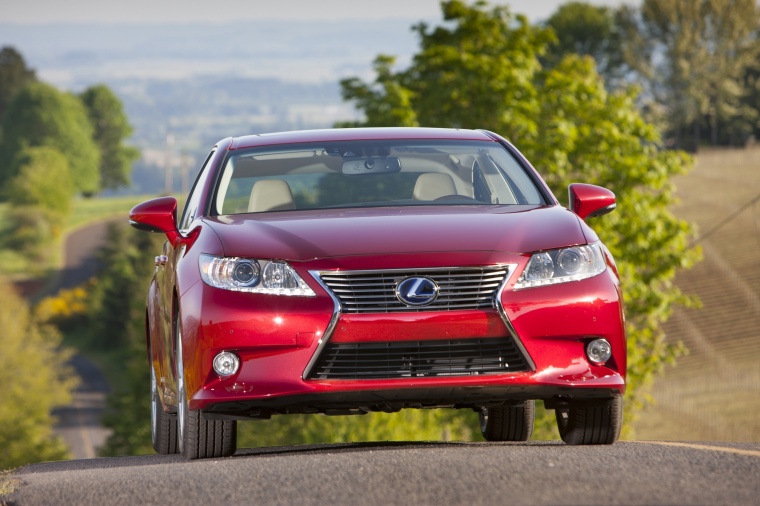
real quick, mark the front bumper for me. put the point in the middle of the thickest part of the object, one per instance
(278, 339)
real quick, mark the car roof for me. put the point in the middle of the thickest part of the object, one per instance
(358, 134)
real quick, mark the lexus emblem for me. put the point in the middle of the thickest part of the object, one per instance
(417, 291)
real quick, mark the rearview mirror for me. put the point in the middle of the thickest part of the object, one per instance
(371, 165)
(587, 200)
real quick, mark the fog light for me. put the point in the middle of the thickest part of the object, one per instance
(226, 363)
(598, 351)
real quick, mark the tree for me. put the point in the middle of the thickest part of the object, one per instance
(116, 323)
(40, 195)
(482, 62)
(573, 130)
(750, 121)
(14, 75)
(588, 134)
(406, 425)
(111, 128)
(40, 115)
(117, 307)
(691, 56)
(35, 379)
(43, 180)
(386, 102)
(29, 234)
(587, 30)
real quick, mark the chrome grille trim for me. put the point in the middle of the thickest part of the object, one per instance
(325, 337)
(508, 322)
(328, 331)
(460, 288)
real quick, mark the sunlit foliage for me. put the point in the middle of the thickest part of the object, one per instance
(35, 379)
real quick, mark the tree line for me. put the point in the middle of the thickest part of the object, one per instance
(54, 145)
(696, 62)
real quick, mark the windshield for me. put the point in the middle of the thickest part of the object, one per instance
(371, 174)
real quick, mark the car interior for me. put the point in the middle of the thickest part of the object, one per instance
(301, 178)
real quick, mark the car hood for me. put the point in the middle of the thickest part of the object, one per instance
(317, 234)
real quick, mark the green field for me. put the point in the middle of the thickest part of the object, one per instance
(90, 210)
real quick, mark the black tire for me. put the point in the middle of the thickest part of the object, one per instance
(163, 426)
(591, 423)
(508, 423)
(199, 437)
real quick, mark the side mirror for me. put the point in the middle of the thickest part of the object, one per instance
(157, 215)
(587, 200)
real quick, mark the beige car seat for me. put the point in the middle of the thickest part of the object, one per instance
(432, 185)
(270, 195)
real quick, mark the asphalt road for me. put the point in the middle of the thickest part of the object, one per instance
(534, 473)
(79, 424)
(80, 262)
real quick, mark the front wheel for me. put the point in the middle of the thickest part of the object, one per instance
(163, 426)
(591, 424)
(199, 437)
(508, 423)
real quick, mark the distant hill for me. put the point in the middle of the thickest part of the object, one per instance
(179, 117)
(73, 56)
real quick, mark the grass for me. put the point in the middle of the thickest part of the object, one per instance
(712, 393)
(11, 261)
(87, 211)
(19, 267)
(712, 405)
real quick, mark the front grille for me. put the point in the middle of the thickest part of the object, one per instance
(405, 359)
(375, 291)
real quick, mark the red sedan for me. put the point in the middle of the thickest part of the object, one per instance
(358, 270)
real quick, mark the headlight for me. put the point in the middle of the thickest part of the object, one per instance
(252, 276)
(562, 265)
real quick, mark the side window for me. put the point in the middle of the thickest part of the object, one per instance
(193, 200)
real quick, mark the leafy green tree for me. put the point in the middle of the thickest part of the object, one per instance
(118, 298)
(386, 102)
(43, 180)
(40, 197)
(750, 121)
(573, 130)
(29, 233)
(35, 379)
(111, 129)
(14, 75)
(587, 30)
(691, 56)
(116, 323)
(476, 69)
(40, 115)
(406, 425)
(587, 134)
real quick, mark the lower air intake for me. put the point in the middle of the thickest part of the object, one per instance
(405, 359)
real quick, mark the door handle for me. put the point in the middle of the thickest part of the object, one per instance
(162, 259)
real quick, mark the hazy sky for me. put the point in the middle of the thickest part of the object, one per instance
(184, 11)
